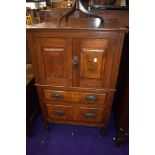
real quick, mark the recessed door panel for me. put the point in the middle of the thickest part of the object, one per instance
(54, 61)
(92, 63)
(95, 62)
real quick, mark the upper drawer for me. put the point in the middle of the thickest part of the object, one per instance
(79, 97)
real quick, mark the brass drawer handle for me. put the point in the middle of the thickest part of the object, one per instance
(90, 115)
(57, 96)
(91, 98)
(59, 112)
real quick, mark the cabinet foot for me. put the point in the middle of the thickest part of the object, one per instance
(120, 138)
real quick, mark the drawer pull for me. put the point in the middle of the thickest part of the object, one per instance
(57, 96)
(91, 98)
(90, 115)
(59, 112)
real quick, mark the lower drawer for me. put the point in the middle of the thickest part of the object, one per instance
(89, 114)
(75, 113)
(60, 112)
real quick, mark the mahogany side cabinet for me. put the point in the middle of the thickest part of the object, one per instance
(75, 68)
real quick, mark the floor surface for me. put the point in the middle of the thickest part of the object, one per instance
(72, 140)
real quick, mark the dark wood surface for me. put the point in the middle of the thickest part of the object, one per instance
(78, 6)
(121, 101)
(97, 49)
(89, 23)
(121, 15)
(32, 104)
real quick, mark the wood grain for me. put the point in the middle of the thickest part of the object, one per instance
(70, 96)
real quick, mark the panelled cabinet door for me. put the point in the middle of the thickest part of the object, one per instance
(54, 57)
(95, 62)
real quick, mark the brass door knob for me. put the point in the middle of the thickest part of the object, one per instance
(75, 62)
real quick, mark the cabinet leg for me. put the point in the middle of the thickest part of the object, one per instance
(28, 130)
(102, 132)
(120, 137)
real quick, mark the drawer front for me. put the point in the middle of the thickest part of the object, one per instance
(59, 112)
(89, 114)
(78, 97)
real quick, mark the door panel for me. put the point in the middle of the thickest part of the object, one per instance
(54, 61)
(92, 63)
(95, 62)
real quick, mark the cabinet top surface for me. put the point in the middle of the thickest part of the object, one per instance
(110, 24)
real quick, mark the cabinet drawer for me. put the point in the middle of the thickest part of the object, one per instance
(89, 114)
(67, 113)
(78, 97)
(59, 112)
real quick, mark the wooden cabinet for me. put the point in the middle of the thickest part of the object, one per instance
(75, 71)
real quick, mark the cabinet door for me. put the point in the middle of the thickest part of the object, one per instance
(95, 62)
(54, 61)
